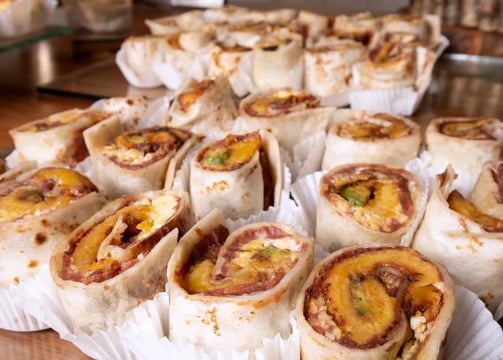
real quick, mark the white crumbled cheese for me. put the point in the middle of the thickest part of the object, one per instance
(418, 325)
(129, 156)
(287, 243)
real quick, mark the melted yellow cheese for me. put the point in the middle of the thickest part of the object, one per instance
(231, 152)
(34, 196)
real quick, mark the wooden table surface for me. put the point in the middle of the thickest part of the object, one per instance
(460, 88)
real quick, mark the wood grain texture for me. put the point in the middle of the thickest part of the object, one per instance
(40, 345)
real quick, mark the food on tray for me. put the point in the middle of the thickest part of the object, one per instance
(314, 25)
(277, 62)
(328, 66)
(118, 258)
(362, 27)
(235, 289)
(38, 208)
(390, 65)
(240, 174)
(173, 24)
(136, 160)
(363, 136)
(202, 106)
(464, 142)
(366, 204)
(130, 109)
(410, 29)
(385, 302)
(225, 61)
(56, 138)
(290, 116)
(465, 239)
(142, 52)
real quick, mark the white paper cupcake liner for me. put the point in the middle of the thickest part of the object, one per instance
(473, 333)
(42, 302)
(13, 314)
(308, 155)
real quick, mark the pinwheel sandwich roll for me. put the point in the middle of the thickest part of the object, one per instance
(225, 60)
(390, 65)
(241, 174)
(465, 239)
(233, 14)
(129, 109)
(118, 258)
(362, 27)
(173, 24)
(387, 302)
(328, 67)
(423, 30)
(56, 138)
(290, 116)
(465, 143)
(366, 204)
(142, 52)
(314, 24)
(137, 160)
(277, 62)
(38, 208)
(358, 136)
(204, 105)
(243, 34)
(230, 290)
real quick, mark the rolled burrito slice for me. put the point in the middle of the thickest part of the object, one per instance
(37, 209)
(202, 106)
(362, 27)
(225, 60)
(358, 136)
(467, 241)
(389, 65)
(366, 204)
(425, 30)
(57, 138)
(118, 258)
(235, 289)
(241, 174)
(277, 62)
(465, 143)
(138, 160)
(172, 24)
(384, 302)
(328, 67)
(290, 116)
(314, 24)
